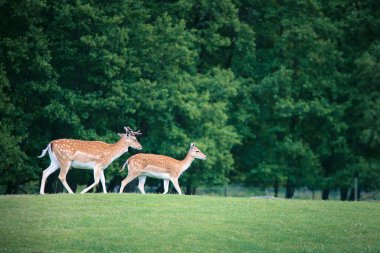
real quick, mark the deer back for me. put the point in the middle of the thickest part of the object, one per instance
(80, 150)
(153, 163)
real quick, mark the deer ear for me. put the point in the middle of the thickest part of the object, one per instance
(192, 145)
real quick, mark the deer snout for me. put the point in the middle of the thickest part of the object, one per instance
(137, 146)
(203, 157)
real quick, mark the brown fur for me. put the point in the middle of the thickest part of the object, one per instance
(141, 164)
(96, 153)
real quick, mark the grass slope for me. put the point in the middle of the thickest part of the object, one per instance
(172, 223)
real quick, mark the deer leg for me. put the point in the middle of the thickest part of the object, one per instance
(126, 181)
(62, 176)
(142, 183)
(176, 185)
(103, 181)
(97, 172)
(166, 186)
(45, 174)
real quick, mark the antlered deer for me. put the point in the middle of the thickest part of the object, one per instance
(96, 155)
(159, 166)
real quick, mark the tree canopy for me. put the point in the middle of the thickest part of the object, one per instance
(276, 93)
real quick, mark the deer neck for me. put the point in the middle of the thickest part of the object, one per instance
(119, 148)
(186, 162)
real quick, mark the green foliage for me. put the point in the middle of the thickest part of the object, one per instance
(275, 93)
(10, 153)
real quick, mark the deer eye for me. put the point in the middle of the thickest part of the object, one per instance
(197, 151)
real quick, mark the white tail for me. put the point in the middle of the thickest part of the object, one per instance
(159, 166)
(44, 151)
(96, 155)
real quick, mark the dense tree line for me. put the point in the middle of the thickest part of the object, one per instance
(276, 93)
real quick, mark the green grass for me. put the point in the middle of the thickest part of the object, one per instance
(172, 223)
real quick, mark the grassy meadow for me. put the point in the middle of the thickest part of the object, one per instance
(173, 223)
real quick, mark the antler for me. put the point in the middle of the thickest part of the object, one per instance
(137, 133)
(129, 131)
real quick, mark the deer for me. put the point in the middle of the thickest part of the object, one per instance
(159, 166)
(95, 155)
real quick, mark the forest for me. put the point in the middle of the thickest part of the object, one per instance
(276, 93)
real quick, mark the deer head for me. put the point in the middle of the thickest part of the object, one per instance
(130, 138)
(196, 153)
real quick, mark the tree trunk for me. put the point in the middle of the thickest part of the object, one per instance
(352, 195)
(343, 193)
(160, 189)
(190, 190)
(16, 186)
(72, 181)
(276, 187)
(9, 189)
(115, 183)
(51, 182)
(325, 194)
(290, 189)
(58, 186)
